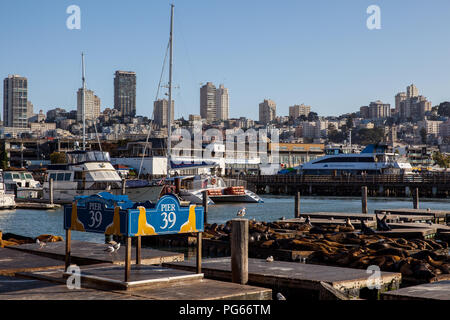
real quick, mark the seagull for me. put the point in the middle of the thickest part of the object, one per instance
(41, 244)
(269, 259)
(280, 296)
(109, 249)
(115, 245)
(241, 212)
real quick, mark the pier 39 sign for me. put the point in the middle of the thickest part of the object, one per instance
(116, 215)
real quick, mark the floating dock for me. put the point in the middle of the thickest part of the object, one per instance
(430, 291)
(83, 253)
(295, 279)
(13, 261)
(328, 221)
(36, 205)
(439, 216)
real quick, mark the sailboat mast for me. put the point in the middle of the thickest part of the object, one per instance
(83, 101)
(169, 108)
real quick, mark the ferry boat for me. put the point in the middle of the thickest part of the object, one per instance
(91, 172)
(217, 190)
(374, 159)
(7, 200)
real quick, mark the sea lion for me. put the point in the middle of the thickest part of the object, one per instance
(381, 223)
(366, 230)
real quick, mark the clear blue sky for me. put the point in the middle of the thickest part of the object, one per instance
(314, 52)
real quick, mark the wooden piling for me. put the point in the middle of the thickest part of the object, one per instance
(297, 204)
(68, 249)
(199, 252)
(128, 259)
(205, 206)
(364, 199)
(416, 198)
(177, 185)
(138, 250)
(239, 251)
(50, 187)
(124, 184)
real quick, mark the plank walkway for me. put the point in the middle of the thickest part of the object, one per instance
(14, 261)
(83, 253)
(294, 278)
(430, 291)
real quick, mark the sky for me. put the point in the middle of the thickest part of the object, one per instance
(319, 52)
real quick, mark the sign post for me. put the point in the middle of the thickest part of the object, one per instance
(117, 215)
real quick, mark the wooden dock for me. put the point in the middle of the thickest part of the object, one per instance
(365, 216)
(409, 233)
(439, 216)
(51, 285)
(37, 206)
(14, 261)
(295, 279)
(430, 291)
(328, 221)
(89, 253)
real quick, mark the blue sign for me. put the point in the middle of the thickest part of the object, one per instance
(104, 213)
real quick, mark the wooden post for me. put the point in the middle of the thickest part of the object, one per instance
(239, 251)
(199, 252)
(416, 198)
(50, 187)
(205, 205)
(124, 184)
(128, 259)
(364, 199)
(177, 185)
(138, 250)
(68, 249)
(297, 204)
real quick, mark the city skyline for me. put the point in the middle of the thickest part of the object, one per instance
(345, 62)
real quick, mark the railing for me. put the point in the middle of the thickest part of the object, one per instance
(435, 179)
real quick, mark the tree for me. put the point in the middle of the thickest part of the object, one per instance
(312, 116)
(3, 157)
(58, 157)
(441, 160)
(423, 135)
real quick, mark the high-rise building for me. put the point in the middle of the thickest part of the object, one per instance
(298, 110)
(30, 110)
(412, 91)
(92, 105)
(398, 99)
(267, 111)
(15, 101)
(208, 105)
(222, 103)
(160, 112)
(125, 93)
(379, 110)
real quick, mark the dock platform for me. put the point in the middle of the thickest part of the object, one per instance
(410, 233)
(440, 216)
(295, 279)
(36, 205)
(83, 253)
(328, 221)
(14, 261)
(430, 291)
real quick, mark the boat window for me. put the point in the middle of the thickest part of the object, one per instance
(8, 176)
(52, 176)
(67, 176)
(16, 176)
(60, 176)
(28, 176)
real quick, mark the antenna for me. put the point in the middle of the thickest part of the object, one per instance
(83, 79)
(169, 108)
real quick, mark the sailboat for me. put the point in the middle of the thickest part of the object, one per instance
(88, 172)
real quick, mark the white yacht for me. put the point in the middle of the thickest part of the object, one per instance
(372, 160)
(6, 199)
(217, 189)
(91, 172)
(22, 184)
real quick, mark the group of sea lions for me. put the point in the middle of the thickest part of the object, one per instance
(346, 247)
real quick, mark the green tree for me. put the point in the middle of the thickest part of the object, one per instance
(3, 156)
(441, 160)
(58, 157)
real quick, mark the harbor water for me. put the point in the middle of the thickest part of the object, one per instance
(32, 223)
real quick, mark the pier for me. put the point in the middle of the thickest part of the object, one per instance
(430, 185)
